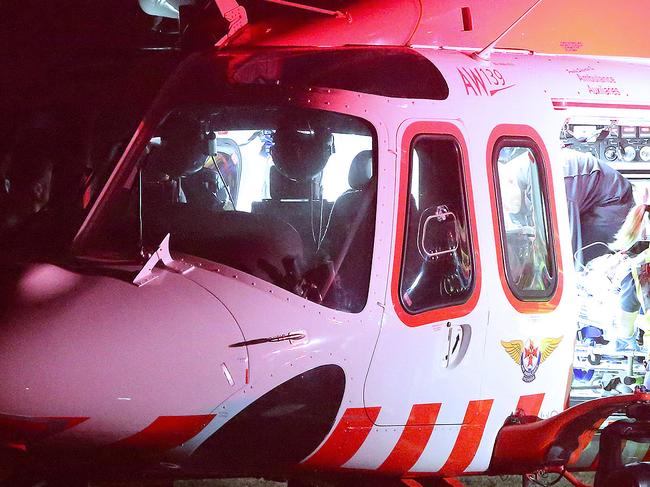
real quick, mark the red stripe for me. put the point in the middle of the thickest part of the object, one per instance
(346, 439)
(469, 437)
(584, 439)
(413, 440)
(166, 432)
(19, 429)
(85, 201)
(594, 465)
(564, 104)
(530, 405)
(411, 483)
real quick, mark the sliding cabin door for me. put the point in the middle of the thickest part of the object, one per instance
(427, 364)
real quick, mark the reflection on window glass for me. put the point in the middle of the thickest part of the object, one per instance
(437, 267)
(285, 194)
(528, 255)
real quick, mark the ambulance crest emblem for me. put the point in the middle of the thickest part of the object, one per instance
(529, 356)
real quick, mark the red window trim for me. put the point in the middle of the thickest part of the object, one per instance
(448, 312)
(527, 307)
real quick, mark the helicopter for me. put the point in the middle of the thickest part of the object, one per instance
(333, 250)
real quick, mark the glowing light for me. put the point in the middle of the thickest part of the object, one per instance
(45, 282)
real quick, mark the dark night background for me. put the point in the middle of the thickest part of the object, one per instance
(97, 57)
(77, 76)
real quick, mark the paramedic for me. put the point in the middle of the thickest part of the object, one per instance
(598, 199)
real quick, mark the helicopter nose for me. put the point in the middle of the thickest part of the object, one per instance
(23, 290)
(96, 349)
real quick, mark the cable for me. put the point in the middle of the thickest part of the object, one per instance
(533, 479)
(223, 180)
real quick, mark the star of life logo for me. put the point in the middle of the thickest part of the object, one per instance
(528, 355)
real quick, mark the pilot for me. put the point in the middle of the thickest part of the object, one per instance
(301, 151)
(182, 153)
(598, 199)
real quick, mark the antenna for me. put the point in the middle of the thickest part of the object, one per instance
(484, 54)
(334, 13)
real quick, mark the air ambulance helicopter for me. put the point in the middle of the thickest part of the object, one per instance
(334, 250)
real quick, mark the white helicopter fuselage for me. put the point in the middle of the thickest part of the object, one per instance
(204, 368)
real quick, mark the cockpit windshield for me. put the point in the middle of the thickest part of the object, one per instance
(285, 194)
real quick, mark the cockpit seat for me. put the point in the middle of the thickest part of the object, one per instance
(349, 237)
(297, 203)
(284, 188)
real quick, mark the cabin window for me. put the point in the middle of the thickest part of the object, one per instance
(522, 201)
(437, 263)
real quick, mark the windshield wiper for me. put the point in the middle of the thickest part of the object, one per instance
(280, 338)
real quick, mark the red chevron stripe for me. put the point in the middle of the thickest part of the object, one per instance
(166, 432)
(530, 405)
(411, 483)
(469, 437)
(346, 439)
(21, 429)
(413, 440)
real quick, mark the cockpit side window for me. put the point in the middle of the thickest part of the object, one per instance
(438, 265)
(285, 194)
(524, 219)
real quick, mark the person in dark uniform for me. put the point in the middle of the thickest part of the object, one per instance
(28, 183)
(599, 198)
